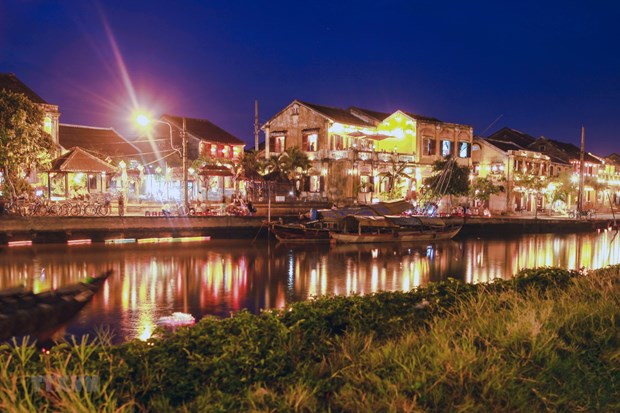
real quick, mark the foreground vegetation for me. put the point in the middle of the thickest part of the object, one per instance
(547, 340)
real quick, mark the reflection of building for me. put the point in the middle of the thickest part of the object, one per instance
(162, 158)
(353, 150)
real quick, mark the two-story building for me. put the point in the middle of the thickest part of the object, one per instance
(353, 150)
(205, 143)
(10, 82)
(51, 115)
(570, 154)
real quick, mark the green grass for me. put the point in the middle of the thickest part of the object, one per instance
(547, 340)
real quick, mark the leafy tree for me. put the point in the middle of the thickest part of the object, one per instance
(483, 188)
(529, 182)
(447, 178)
(24, 146)
(565, 187)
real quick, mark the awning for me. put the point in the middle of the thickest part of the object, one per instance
(379, 136)
(356, 134)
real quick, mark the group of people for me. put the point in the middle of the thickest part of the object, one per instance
(239, 206)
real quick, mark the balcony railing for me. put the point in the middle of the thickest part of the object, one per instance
(361, 155)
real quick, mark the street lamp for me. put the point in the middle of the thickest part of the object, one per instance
(144, 121)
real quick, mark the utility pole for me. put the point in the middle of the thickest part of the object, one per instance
(256, 125)
(184, 141)
(581, 168)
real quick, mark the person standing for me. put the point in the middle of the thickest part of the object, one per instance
(121, 204)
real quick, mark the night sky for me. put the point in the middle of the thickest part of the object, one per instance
(545, 68)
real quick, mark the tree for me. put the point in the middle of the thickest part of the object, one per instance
(292, 163)
(24, 146)
(256, 168)
(483, 188)
(447, 178)
(394, 175)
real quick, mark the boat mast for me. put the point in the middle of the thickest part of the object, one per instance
(581, 169)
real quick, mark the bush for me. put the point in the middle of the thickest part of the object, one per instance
(546, 340)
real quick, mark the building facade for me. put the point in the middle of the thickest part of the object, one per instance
(359, 154)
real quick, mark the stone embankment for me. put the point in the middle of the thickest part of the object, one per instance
(42, 230)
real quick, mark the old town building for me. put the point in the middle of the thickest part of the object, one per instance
(504, 162)
(359, 154)
(207, 143)
(10, 82)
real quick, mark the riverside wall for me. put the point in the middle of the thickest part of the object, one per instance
(41, 230)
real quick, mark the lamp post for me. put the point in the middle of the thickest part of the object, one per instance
(144, 120)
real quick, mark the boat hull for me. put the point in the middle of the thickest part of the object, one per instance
(396, 236)
(299, 233)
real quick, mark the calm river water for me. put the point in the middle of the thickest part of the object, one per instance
(219, 277)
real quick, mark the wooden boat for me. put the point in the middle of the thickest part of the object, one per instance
(378, 229)
(312, 231)
(25, 313)
(322, 221)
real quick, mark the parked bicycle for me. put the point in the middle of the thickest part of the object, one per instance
(588, 214)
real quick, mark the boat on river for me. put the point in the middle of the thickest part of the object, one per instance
(23, 312)
(322, 221)
(379, 229)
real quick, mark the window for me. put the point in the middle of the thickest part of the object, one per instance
(315, 183)
(276, 143)
(337, 143)
(464, 150)
(428, 146)
(47, 125)
(309, 141)
(446, 148)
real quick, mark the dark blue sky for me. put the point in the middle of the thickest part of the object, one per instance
(546, 68)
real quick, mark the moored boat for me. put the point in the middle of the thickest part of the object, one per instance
(378, 229)
(25, 313)
(312, 231)
(323, 221)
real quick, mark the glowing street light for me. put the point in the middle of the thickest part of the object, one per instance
(144, 120)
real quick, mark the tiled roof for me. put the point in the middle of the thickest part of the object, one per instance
(78, 160)
(421, 117)
(337, 115)
(614, 157)
(378, 116)
(105, 141)
(503, 145)
(10, 82)
(572, 151)
(512, 135)
(204, 130)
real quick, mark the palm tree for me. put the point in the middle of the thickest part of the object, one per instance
(292, 163)
(393, 176)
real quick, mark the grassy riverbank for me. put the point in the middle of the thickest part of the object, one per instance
(547, 340)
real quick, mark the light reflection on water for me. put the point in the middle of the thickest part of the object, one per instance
(219, 277)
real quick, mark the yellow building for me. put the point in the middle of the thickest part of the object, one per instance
(359, 154)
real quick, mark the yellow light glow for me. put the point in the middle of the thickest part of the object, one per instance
(79, 241)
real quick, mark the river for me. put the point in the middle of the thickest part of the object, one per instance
(220, 277)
